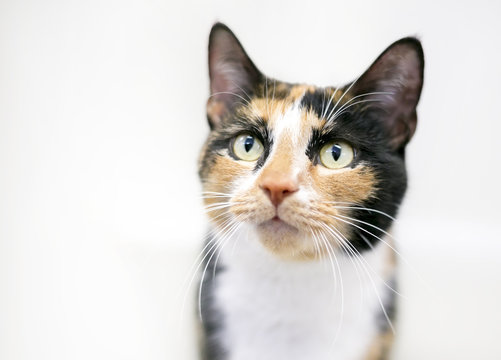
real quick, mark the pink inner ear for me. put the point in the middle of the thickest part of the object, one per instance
(232, 73)
(228, 80)
(215, 111)
(225, 91)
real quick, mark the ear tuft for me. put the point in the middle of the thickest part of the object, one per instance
(233, 76)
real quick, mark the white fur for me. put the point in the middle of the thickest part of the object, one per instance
(275, 309)
(289, 123)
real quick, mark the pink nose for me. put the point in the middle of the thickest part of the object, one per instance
(278, 186)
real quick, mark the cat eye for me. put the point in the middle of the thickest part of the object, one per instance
(247, 147)
(336, 155)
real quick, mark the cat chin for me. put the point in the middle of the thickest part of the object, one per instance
(277, 227)
(285, 241)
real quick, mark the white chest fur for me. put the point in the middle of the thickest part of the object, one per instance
(282, 310)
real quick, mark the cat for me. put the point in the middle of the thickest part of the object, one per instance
(301, 185)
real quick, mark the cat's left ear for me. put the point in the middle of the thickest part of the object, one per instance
(233, 75)
(397, 75)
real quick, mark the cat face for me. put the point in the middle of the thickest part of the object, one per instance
(308, 170)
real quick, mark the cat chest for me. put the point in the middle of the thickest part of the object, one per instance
(272, 310)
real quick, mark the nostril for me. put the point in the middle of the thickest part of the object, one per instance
(266, 190)
(286, 191)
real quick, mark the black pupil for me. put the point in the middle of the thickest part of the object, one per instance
(336, 151)
(249, 143)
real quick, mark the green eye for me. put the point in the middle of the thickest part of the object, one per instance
(246, 147)
(336, 155)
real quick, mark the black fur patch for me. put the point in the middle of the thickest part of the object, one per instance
(361, 127)
(318, 102)
(213, 319)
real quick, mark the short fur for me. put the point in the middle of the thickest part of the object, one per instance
(274, 269)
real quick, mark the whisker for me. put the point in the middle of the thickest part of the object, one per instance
(215, 192)
(213, 196)
(246, 102)
(242, 90)
(340, 241)
(331, 253)
(383, 241)
(237, 241)
(221, 248)
(210, 235)
(318, 253)
(337, 114)
(340, 218)
(343, 95)
(368, 224)
(224, 202)
(234, 227)
(211, 243)
(266, 96)
(367, 267)
(329, 102)
(366, 209)
(344, 106)
(217, 206)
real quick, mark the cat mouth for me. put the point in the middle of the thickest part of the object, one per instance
(277, 224)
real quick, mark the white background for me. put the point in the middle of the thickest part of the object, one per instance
(101, 119)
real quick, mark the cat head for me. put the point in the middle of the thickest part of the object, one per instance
(309, 170)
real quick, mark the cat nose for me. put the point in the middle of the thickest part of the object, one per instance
(278, 186)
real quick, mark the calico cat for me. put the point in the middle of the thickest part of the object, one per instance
(301, 185)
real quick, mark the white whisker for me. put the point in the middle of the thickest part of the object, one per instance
(332, 255)
(246, 102)
(365, 209)
(337, 114)
(341, 218)
(333, 231)
(211, 243)
(342, 96)
(234, 226)
(347, 104)
(329, 102)
(360, 257)
(365, 264)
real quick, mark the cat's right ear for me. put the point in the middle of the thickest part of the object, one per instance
(233, 76)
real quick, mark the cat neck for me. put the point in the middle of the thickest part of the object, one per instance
(245, 251)
(267, 300)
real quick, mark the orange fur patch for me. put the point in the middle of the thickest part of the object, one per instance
(380, 347)
(348, 185)
(220, 180)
